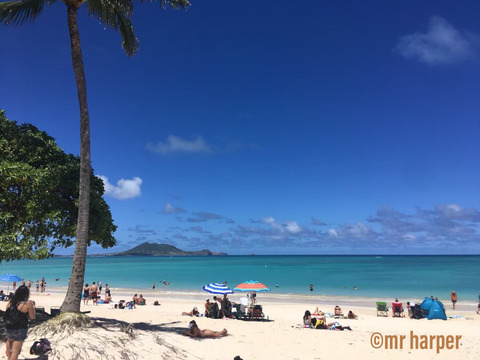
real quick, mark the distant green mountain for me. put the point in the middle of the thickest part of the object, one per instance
(165, 250)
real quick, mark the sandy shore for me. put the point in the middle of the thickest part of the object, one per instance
(157, 331)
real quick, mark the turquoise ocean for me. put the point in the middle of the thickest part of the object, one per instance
(373, 276)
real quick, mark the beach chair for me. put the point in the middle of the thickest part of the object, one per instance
(241, 311)
(382, 308)
(212, 310)
(257, 312)
(397, 309)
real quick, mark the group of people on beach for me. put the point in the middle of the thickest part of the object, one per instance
(40, 285)
(320, 321)
(220, 307)
(94, 293)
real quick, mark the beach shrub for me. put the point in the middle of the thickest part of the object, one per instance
(39, 195)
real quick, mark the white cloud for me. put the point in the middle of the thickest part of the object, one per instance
(268, 220)
(332, 233)
(170, 209)
(125, 189)
(175, 144)
(290, 227)
(441, 44)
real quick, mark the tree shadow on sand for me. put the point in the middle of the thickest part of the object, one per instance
(114, 324)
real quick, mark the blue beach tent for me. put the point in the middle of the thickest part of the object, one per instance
(433, 309)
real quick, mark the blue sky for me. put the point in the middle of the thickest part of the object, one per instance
(269, 127)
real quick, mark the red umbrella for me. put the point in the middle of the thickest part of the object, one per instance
(251, 285)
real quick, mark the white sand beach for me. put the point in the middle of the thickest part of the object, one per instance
(157, 331)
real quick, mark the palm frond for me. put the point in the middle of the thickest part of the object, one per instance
(116, 15)
(176, 4)
(101, 8)
(19, 12)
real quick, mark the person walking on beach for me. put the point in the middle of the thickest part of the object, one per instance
(453, 297)
(17, 333)
(93, 292)
(86, 294)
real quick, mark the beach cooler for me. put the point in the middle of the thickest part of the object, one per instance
(54, 310)
(257, 312)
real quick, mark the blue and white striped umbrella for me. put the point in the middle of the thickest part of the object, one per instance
(10, 277)
(217, 288)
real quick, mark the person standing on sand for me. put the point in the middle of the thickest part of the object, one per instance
(86, 294)
(37, 285)
(453, 297)
(93, 292)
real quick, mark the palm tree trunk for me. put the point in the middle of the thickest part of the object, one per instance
(73, 298)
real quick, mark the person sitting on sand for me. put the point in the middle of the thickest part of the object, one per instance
(351, 315)
(135, 299)
(338, 311)
(108, 298)
(194, 331)
(141, 300)
(194, 312)
(307, 319)
(318, 312)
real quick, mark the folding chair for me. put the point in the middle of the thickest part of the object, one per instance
(382, 308)
(397, 309)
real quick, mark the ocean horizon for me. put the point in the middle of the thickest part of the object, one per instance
(402, 276)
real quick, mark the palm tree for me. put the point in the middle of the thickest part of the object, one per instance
(115, 14)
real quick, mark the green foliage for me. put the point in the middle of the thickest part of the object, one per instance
(115, 14)
(39, 195)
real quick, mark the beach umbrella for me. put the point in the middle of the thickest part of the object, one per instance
(217, 288)
(10, 278)
(251, 285)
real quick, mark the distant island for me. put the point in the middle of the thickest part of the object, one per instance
(152, 249)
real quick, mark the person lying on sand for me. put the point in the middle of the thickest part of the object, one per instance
(194, 331)
(322, 325)
(194, 312)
